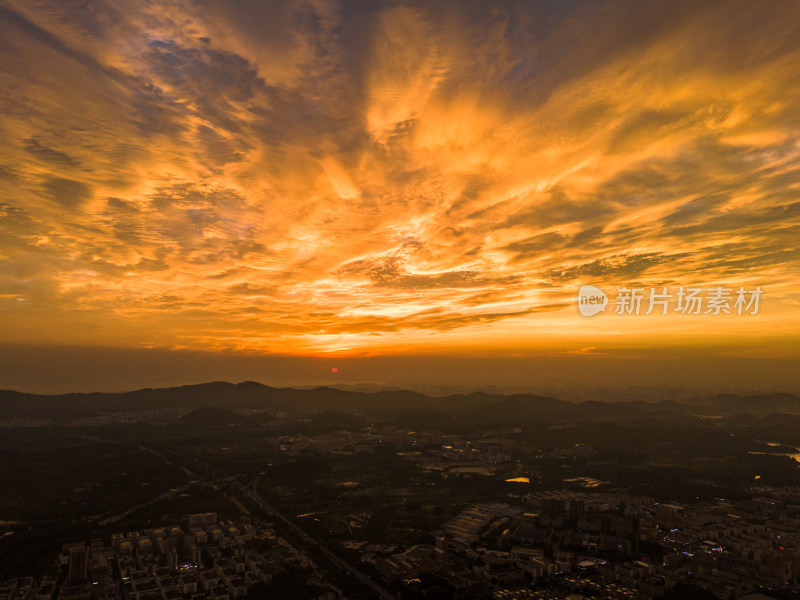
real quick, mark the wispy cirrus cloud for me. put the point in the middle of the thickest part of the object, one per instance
(302, 175)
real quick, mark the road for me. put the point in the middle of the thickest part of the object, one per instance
(253, 494)
(164, 496)
(381, 592)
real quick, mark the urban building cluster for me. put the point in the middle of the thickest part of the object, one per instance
(551, 543)
(602, 545)
(205, 558)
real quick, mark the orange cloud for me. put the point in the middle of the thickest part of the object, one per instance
(333, 177)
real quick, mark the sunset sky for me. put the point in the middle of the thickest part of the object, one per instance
(411, 192)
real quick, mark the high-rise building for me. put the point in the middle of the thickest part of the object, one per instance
(553, 507)
(78, 564)
(203, 519)
(577, 509)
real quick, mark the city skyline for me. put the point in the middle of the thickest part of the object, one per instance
(410, 193)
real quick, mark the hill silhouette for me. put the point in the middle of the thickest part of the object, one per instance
(335, 405)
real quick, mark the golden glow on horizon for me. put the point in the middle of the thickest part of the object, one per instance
(316, 177)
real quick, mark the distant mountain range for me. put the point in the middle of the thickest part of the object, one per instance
(399, 405)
